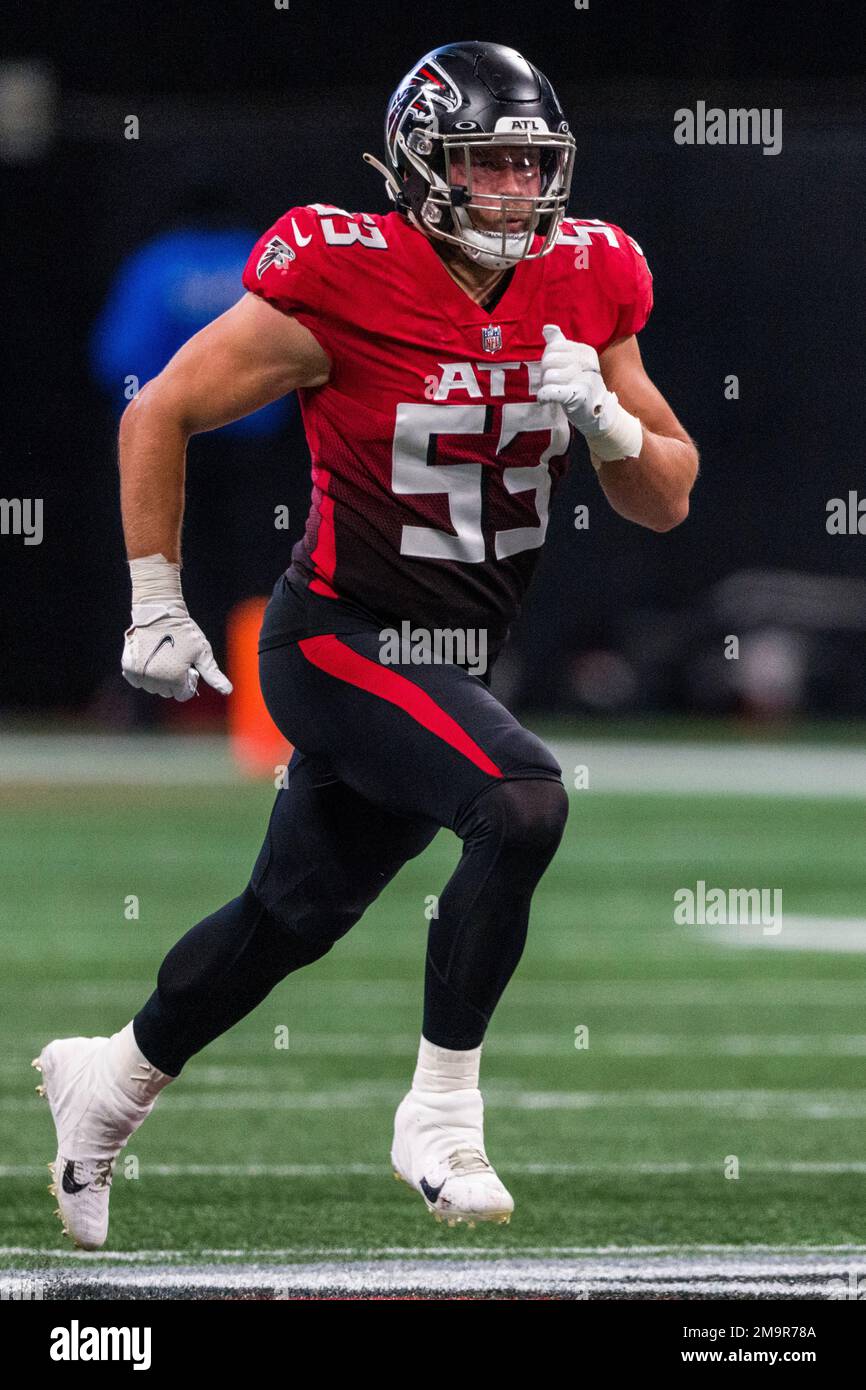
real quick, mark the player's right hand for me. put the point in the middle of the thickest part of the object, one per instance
(571, 376)
(165, 652)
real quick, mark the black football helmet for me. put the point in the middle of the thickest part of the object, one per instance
(455, 104)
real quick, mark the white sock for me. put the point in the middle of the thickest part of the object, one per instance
(442, 1069)
(130, 1071)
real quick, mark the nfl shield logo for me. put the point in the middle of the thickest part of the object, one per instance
(491, 338)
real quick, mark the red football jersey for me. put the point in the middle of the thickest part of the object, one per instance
(433, 464)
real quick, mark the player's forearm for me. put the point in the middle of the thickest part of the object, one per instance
(653, 489)
(152, 461)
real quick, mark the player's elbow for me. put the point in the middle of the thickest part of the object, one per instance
(134, 406)
(151, 408)
(139, 406)
(129, 422)
(675, 509)
(674, 514)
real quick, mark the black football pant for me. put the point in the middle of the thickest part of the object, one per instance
(385, 755)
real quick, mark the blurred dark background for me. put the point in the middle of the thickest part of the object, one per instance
(245, 110)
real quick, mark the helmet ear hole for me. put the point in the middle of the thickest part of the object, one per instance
(414, 190)
(420, 143)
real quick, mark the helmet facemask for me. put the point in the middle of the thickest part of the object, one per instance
(459, 205)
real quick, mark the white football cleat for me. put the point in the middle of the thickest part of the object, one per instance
(439, 1150)
(100, 1090)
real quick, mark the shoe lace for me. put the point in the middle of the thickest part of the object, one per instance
(468, 1160)
(104, 1172)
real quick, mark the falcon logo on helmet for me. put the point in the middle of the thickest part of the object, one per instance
(463, 109)
(416, 100)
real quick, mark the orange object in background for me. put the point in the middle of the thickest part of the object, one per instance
(257, 744)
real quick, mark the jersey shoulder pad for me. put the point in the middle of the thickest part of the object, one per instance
(282, 266)
(616, 262)
(304, 253)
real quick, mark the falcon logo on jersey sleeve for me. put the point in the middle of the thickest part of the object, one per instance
(276, 253)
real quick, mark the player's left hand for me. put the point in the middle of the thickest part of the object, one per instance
(571, 376)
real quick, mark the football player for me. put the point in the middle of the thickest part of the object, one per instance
(443, 353)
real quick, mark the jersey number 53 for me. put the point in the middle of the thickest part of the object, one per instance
(417, 425)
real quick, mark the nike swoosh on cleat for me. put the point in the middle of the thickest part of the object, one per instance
(160, 644)
(69, 1183)
(431, 1193)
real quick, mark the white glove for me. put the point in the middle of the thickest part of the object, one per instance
(571, 376)
(165, 651)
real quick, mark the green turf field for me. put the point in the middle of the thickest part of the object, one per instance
(698, 1050)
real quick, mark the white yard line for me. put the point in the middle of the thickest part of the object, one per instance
(782, 1274)
(838, 935)
(720, 769)
(241, 1073)
(746, 1103)
(805, 1167)
(228, 1072)
(716, 769)
(805, 1255)
(134, 760)
(559, 993)
(542, 1044)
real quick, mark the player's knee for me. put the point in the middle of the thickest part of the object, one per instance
(313, 914)
(537, 812)
(197, 964)
(528, 814)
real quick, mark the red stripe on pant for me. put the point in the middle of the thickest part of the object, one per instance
(336, 659)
